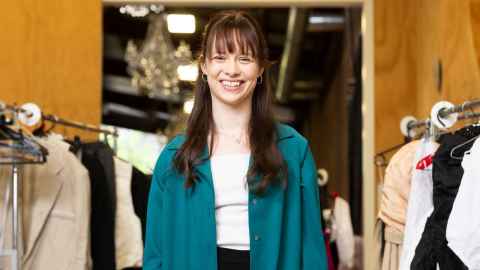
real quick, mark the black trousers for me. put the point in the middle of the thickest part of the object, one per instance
(231, 259)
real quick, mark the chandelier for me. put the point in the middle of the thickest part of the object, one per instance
(153, 65)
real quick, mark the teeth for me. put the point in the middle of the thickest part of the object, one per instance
(231, 84)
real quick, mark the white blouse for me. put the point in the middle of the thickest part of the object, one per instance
(231, 200)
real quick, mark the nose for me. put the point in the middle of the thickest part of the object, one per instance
(231, 68)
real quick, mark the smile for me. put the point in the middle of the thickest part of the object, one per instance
(231, 84)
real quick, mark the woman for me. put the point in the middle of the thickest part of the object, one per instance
(237, 191)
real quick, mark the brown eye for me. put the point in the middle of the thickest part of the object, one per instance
(219, 57)
(246, 59)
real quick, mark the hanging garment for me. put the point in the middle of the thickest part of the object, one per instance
(388, 241)
(55, 211)
(393, 206)
(358, 265)
(328, 250)
(140, 190)
(128, 229)
(394, 198)
(98, 159)
(393, 247)
(342, 233)
(463, 227)
(447, 174)
(379, 243)
(420, 203)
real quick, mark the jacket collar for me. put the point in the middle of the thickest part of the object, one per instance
(283, 132)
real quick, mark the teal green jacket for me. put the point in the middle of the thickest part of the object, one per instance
(284, 223)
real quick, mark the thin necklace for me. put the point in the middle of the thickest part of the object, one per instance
(237, 138)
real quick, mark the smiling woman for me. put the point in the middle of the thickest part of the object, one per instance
(231, 67)
(238, 190)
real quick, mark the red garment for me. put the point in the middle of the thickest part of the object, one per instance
(331, 265)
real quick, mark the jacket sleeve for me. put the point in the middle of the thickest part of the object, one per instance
(81, 182)
(313, 245)
(152, 259)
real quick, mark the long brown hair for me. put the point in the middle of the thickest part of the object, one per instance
(225, 30)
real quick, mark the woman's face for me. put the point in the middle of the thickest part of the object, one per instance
(232, 76)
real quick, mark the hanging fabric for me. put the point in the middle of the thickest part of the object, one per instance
(420, 204)
(432, 249)
(393, 206)
(128, 229)
(463, 235)
(342, 233)
(98, 159)
(55, 211)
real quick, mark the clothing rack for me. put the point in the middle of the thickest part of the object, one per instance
(409, 123)
(14, 190)
(418, 124)
(57, 120)
(74, 124)
(426, 122)
(6, 107)
(468, 105)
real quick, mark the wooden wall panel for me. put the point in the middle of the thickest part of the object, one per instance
(410, 38)
(395, 76)
(425, 43)
(326, 129)
(462, 77)
(326, 125)
(475, 25)
(50, 54)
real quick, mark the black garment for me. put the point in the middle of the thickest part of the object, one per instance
(447, 175)
(140, 190)
(334, 251)
(231, 259)
(98, 159)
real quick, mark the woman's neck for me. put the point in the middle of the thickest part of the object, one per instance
(231, 119)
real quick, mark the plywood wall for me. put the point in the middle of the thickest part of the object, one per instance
(411, 37)
(50, 54)
(326, 129)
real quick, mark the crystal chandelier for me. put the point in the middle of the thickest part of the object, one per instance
(153, 66)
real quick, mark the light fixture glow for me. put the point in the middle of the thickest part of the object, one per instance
(188, 106)
(181, 23)
(188, 72)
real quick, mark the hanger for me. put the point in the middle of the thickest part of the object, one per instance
(75, 144)
(322, 177)
(380, 158)
(461, 145)
(24, 149)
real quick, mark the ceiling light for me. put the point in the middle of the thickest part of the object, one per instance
(188, 72)
(181, 23)
(188, 106)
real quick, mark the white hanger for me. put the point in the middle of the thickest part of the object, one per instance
(322, 178)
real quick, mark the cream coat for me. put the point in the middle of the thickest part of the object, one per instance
(55, 203)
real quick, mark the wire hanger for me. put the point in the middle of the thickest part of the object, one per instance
(461, 145)
(381, 159)
(452, 152)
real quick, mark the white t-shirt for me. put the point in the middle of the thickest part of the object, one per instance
(420, 201)
(463, 227)
(231, 200)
